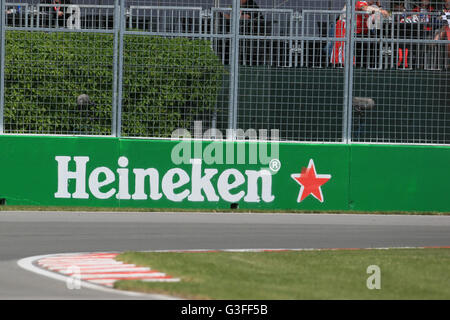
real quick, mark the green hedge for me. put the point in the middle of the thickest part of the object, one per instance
(167, 83)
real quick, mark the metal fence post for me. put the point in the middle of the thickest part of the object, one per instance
(2, 63)
(121, 26)
(234, 71)
(348, 72)
(115, 69)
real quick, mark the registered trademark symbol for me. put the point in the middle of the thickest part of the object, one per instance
(275, 165)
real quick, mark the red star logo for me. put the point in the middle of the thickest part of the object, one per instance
(310, 182)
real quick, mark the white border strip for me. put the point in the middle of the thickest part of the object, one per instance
(28, 264)
(269, 250)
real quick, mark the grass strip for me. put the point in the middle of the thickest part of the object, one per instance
(295, 275)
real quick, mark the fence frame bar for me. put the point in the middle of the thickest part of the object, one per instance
(2, 63)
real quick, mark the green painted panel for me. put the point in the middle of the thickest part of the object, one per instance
(29, 171)
(330, 159)
(400, 178)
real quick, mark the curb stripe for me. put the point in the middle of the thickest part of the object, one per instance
(135, 278)
(102, 270)
(99, 268)
(79, 262)
(123, 276)
(112, 267)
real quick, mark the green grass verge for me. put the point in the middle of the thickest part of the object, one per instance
(326, 274)
(115, 209)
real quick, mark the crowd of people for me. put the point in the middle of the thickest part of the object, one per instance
(369, 23)
(369, 16)
(434, 24)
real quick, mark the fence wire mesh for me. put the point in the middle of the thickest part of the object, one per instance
(145, 68)
(171, 75)
(58, 78)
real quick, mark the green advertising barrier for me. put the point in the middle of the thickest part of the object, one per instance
(112, 172)
(263, 174)
(136, 173)
(29, 171)
(400, 178)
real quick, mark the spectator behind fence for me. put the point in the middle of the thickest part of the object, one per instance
(444, 32)
(403, 48)
(407, 25)
(251, 23)
(424, 18)
(375, 25)
(57, 13)
(362, 30)
(254, 18)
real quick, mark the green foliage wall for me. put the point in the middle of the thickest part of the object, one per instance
(166, 83)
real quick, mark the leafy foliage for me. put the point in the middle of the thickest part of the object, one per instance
(167, 83)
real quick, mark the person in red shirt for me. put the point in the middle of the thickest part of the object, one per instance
(361, 19)
(425, 7)
(361, 31)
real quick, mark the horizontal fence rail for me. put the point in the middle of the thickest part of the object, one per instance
(151, 69)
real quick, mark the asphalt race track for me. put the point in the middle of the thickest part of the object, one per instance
(25, 234)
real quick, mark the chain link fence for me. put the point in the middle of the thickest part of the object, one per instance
(242, 68)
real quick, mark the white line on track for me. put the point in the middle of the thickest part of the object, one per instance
(30, 264)
(104, 270)
(93, 267)
(120, 276)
